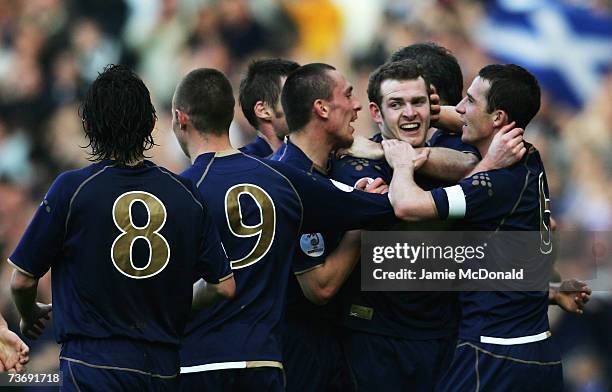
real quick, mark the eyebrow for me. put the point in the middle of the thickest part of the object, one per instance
(348, 89)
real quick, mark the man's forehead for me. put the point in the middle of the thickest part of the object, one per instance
(394, 87)
(479, 87)
(339, 79)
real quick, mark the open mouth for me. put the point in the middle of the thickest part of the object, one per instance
(410, 127)
(350, 124)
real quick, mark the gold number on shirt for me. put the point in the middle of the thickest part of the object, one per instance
(121, 250)
(264, 230)
(545, 232)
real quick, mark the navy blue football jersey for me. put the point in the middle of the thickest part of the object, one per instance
(412, 315)
(312, 249)
(125, 245)
(258, 148)
(260, 208)
(516, 199)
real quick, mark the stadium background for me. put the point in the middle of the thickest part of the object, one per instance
(51, 49)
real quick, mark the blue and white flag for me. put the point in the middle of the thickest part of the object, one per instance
(567, 47)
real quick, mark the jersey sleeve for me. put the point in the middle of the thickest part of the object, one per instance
(332, 206)
(43, 240)
(311, 252)
(213, 265)
(350, 170)
(483, 196)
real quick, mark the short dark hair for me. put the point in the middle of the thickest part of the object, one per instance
(397, 70)
(262, 82)
(440, 66)
(207, 97)
(118, 116)
(302, 87)
(513, 90)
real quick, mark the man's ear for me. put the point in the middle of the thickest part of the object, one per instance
(321, 108)
(375, 113)
(262, 111)
(182, 117)
(500, 118)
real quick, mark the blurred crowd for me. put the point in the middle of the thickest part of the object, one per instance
(50, 50)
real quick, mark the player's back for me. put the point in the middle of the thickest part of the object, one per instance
(260, 207)
(125, 244)
(130, 256)
(258, 214)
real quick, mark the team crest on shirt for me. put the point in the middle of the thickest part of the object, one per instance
(312, 244)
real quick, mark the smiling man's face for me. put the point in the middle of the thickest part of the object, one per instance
(477, 121)
(404, 112)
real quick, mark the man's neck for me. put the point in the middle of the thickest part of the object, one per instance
(133, 162)
(268, 134)
(483, 145)
(315, 147)
(203, 143)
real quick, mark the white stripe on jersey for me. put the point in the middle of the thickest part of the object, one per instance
(513, 341)
(456, 202)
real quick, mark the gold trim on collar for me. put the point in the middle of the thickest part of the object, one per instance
(320, 169)
(225, 153)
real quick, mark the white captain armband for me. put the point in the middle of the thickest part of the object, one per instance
(456, 202)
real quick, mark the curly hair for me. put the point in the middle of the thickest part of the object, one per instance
(118, 116)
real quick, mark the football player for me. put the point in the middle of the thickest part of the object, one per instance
(319, 105)
(125, 240)
(414, 331)
(504, 338)
(259, 97)
(260, 207)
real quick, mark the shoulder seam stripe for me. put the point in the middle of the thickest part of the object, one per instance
(205, 171)
(183, 185)
(79, 189)
(290, 184)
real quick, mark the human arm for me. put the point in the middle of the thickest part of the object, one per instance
(13, 351)
(447, 164)
(377, 185)
(409, 201)
(570, 295)
(23, 289)
(320, 200)
(363, 147)
(215, 277)
(320, 283)
(448, 119)
(206, 294)
(506, 149)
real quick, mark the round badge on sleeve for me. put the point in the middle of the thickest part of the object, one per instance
(312, 244)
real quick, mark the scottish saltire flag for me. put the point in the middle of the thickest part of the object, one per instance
(567, 47)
